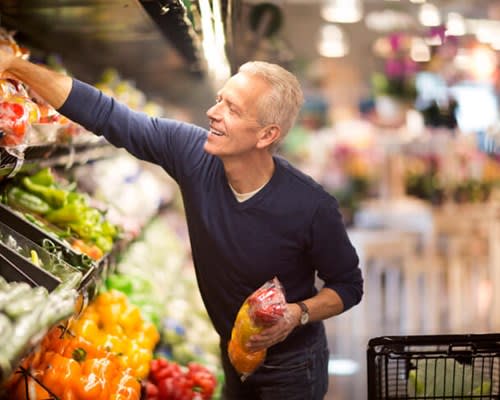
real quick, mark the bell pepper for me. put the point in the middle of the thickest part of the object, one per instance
(123, 283)
(54, 196)
(28, 389)
(19, 198)
(99, 373)
(105, 243)
(128, 387)
(60, 374)
(73, 369)
(70, 213)
(168, 381)
(112, 323)
(43, 177)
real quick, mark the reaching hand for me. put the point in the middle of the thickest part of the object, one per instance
(277, 332)
(5, 62)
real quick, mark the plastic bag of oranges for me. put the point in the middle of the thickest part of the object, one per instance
(263, 308)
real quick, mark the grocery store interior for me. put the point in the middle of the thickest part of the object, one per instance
(401, 123)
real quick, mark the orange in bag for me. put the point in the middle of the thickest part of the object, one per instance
(263, 308)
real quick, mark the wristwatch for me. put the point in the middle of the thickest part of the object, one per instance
(304, 316)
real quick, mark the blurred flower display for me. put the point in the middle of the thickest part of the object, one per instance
(397, 78)
(464, 175)
(351, 175)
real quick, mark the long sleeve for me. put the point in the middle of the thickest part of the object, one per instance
(162, 141)
(334, 256)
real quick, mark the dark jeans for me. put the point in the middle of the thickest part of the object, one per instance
(296, 375)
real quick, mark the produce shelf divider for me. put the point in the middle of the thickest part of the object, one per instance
(36, 274)
(12, 273)
(24, 227)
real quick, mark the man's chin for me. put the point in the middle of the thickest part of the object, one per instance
(209, 148)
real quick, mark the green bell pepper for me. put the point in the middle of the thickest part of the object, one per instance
(54, 196)
(19, 198)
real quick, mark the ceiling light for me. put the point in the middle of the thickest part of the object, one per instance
(429, 15)
(332, 42)
(388, 20)
(455, 25)
(487, 31)
(213, 42)
(342, 11)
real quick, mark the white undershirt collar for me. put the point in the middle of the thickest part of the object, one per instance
(241, 197)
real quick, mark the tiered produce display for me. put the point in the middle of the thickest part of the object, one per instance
(137, 322)
(74, 322)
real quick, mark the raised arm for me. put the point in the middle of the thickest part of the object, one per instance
(52, 86)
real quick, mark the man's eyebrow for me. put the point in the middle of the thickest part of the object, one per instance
(230, 102)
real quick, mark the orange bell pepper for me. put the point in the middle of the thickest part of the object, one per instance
(28, 389)
(61, 375)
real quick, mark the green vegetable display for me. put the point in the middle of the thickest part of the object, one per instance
(55, 197)
(69, 211)
(440, 377)
(23, 200)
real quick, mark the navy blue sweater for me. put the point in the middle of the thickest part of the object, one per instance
(290, 229)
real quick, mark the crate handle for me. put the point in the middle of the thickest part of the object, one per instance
(462, 348)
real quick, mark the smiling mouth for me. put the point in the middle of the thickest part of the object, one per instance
(216, 133)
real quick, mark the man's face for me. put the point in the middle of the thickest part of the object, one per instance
(234, 127)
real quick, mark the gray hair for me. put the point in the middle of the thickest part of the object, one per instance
(282, 104)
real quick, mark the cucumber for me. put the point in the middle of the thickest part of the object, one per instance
(19, 198)
(14, 291)
(5, 330)
(60, 305)
(26, 303)
(24, 330)
(5, 367)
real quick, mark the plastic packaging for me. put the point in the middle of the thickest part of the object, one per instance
(262, 309)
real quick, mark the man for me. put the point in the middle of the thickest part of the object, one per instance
(251, 215)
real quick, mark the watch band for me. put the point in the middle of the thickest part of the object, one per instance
(304, 316)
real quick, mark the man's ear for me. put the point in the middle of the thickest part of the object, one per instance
(269, 135)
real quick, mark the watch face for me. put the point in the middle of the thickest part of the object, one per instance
(304, 318)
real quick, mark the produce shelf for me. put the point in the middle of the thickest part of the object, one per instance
(51, 244)
(12, 273)
(26, 158)
(46, 269)
(35, 275)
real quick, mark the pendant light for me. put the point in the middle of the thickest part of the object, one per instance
(332, 42)
(342, 11)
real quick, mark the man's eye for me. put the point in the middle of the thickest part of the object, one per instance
(218, 99)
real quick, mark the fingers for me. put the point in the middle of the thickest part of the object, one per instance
(270, 336)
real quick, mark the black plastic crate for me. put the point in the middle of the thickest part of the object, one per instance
(20, 250)
(434, 367)
(12, 273)
(50, 243)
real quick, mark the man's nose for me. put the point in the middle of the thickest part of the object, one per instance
(213, 112)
